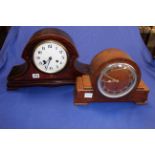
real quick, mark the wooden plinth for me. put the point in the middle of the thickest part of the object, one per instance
(85, 93)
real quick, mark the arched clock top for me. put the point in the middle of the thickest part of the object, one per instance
(52, 34)
(110, 56)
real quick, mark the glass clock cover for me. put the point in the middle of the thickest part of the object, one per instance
(50, 57)
(117, 80)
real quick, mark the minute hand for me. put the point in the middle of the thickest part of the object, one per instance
(113, 79)
(49, 60)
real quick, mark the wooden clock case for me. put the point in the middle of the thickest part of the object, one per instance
(86, 85)
(23, 75)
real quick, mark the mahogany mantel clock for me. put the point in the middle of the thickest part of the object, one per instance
(113, 77)
(50, 59)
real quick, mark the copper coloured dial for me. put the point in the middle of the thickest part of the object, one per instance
(117, 80)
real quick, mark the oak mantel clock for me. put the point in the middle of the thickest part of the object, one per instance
(50, 59)
(113, 77)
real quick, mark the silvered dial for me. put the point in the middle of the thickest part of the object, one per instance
(50, 57)
(117, 80)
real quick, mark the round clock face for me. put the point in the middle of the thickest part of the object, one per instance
(50, 57)
(117, 80)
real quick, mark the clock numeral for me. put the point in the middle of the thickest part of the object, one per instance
(57, 66)
(43, 48)
(40, 63)
(49, 46)
(61, 62)
(57, 61)
(39, 52)
(63, 57)
(51, 68)
(60, 52)
(38, 57)
(56, 47)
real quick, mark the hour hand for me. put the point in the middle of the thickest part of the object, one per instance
(111, 79)
(44, 62)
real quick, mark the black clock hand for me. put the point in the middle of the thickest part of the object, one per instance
(44, 62)
(49, 60)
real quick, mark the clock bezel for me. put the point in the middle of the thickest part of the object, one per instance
(54, 41)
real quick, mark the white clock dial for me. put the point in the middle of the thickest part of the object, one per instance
(50, 57)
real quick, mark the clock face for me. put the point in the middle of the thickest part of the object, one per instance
(117, 80)
(50, 57)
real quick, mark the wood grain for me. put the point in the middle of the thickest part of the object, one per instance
(139, 94)
(21, 75)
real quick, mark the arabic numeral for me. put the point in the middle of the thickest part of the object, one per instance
(38, 57)
(39, 52)
(60, 52)
(50, 46)
(43, 48)
(40, 63)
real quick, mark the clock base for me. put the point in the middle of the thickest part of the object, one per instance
(13, 85)
(23, 76)
(85, 94)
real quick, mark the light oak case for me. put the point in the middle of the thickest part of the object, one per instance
(86, 90)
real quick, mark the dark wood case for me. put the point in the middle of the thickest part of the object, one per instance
(21, 75)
